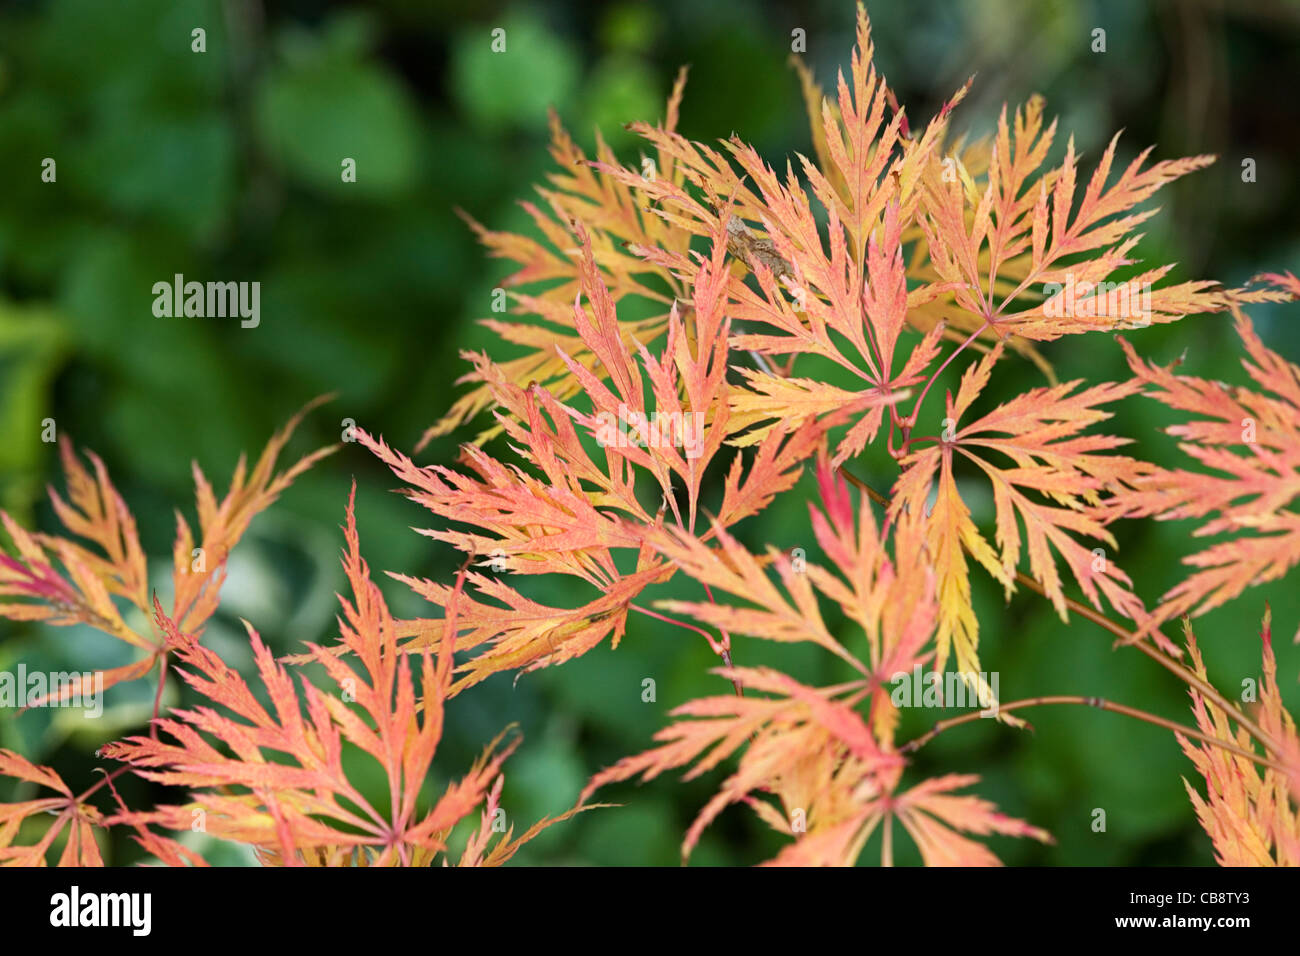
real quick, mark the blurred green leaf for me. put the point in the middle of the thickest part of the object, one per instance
(313, 115)
(32, 346)
(514, 87)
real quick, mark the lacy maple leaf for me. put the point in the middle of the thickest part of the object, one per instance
(74, 818)
(276, 778)
(84, 592)
(1049, 475)
(614, 213)
(1248, 442)
(973, 235)
(835, 774)
(572, 509)
(1252, 815)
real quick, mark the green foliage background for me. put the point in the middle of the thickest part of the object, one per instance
(225, 165)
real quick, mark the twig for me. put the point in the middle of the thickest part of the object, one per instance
(713, 643)
(916, 407)
(157, 700)
(1101, 704)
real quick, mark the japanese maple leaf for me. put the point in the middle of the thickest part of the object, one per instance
(932, 158)
(811, 749)
(75, 819)
(571, 510)
(1246, 442)
(615, 215)
(1251, 813)
(896, 611)
(276, 778)
(832, 769)
(974, 235)
(930, 813)
(870, 312)
(842, 297)
(1046, 475)
(84, 591)
(779, 734)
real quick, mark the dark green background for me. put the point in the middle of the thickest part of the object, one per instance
(225, 165)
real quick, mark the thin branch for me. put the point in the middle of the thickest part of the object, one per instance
(726, 643)
(916, 408)
(1129, 639)
(107, 778)
(713, 643)
(1101, 704)
(157, 700)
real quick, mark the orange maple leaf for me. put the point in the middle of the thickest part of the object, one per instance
(573, 510)
(305, 809)
(1248, 440)
(84, 592)
(1049, 476)
(1251, 814)
(834, 773)
(72, 814)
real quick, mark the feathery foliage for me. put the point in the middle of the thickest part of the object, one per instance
(797, 318)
